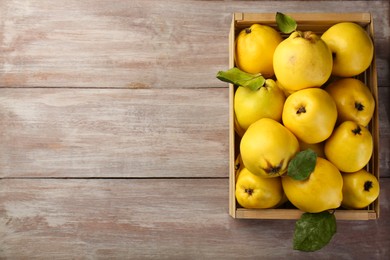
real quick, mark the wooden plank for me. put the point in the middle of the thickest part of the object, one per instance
(113, 132)
(164, 219)
(384, 131)
(140, 44)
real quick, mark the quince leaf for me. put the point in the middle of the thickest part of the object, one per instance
(241, 78)
(286, 24)
(313, 231)
(302, 165)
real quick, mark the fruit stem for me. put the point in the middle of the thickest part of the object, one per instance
(367, 185)
(273, 169)
(237, 166)
(309, 35)
(359, 106)
(301, 110)
(249, 191)
(248, 30)
(357, 130)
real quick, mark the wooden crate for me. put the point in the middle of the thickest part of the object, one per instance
(318, 23)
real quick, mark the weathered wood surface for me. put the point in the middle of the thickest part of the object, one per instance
(384, 131)
(113, 133)
(140, 44)
(160, 219)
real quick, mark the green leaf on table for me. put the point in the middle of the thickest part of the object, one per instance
(241, 78)
(286, 24)
(313, 231)
(302, 165)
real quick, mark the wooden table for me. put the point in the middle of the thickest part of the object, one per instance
(114, 133)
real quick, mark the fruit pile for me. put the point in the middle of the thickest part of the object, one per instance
(301, 113)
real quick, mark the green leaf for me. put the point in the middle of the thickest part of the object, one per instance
(302, 165)
(286, 24)
(313, 231)
(241, 78)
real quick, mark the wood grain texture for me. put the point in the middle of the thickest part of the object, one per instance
(114, 133)
(384, 131)
(140, 44)
(163, 219)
